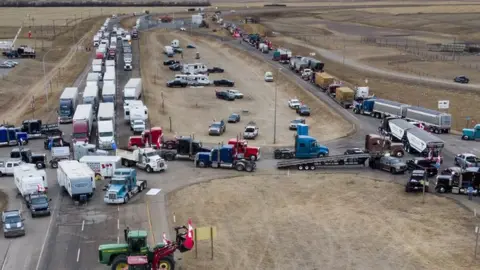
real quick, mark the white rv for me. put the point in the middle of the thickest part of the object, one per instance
(76, 178)
(137, 105)
(103, 166)
(175, 43)
(195, 68)
(28, 179)
(197, 80)
(168, 50)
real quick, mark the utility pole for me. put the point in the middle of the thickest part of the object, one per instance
(53, 27)
(477, 232)
(34, 32)
(454, 49)
(275, 110)
(344, 50)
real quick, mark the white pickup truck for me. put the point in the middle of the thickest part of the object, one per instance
(146, 159)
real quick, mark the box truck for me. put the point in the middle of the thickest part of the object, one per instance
(82, 123)
(133, 89)
(109, 92)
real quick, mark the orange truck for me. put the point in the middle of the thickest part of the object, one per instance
(323, 80)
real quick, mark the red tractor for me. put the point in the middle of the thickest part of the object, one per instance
(162, 257)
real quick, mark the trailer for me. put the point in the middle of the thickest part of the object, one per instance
(102, 166)
(28, 179)
(395, 128)
(298, 63)
(82, 122)
(109, 77)
(36, 129)
(68, 104)
(380, 108)
(314, 163)
(109, 92)
(436, 122)
(419, 141)
(93, 77)
(146, 159)
(90, 95)
(133, 89)
(77, 179)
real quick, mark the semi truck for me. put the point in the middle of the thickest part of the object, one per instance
(10, 136)
(134, 105)
(102, 166)
(419, 141)
(123, 186)
(36, 129)
(133, 89)
(186, 147)
(109, 92)
(223, 156)
(305, 147)
(109, 77)
(395, 128)
(93, 77)
(145, 158)
(28, 179)
(313, 64)
(380, 108)
(77, 179)
(82, 123)
(378, 144)
(106, 112)
(68, 104)
(90, 95)
(323, 80)
(435, 121)
(243, 150)
(106, 134)
(298, 63)
(471, 133)
(344, 96)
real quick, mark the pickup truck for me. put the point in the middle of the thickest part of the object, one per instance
(466, 160)
(217, 128)
(251, 131)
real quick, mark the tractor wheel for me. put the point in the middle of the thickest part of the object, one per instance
(120, 262)
(166, 263)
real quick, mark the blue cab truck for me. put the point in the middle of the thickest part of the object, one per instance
(123, 186)
(68, 104)
(305, 146)
(380, 108)
(10, 136)
(223, 156)
(471, 133)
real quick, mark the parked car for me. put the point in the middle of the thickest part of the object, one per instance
(461, 79)
(236, 93)
(389, 164)
(177, 83)
(175, 67)
(215, 70)
(225, 95)
(268, 76)
(294, 103)
(466, 160)
(224, 82)
(303, 110)
(294, 123)
(234, 118)
(217, 128)
(170, 62)
(11, 63)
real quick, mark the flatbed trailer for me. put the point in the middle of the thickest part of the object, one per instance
(338, 160)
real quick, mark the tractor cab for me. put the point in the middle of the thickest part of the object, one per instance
(136, 241)
(138, 263)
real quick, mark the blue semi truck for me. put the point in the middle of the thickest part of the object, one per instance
(123, 186)
(223, 156)
(380, 108)
(305, 146)
(471, 133)
(10, 136)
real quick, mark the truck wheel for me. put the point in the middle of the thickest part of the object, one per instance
(169, 156)
(125, 200)
(120, 262)
(399, 154)
(40, 165)
(440, 189)
(201, 164)
(126, 163)
(239, 167)
(355, 111)
(465, 137)
(148, 169)
(249, 168)
(166, 263)
(436, 131)
(277, 156)
(320, 155)
(253, 158)
(54, 164)
(393, 171)
(313, 168)
(300, 167)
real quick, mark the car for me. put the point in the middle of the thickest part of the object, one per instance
(54, 141)
(5, 66)
(294, 123)
(10, 62)
(294, 103)
(224, 82)
(417, 182)
(466, 160)
(170, 62)
(38, 205)
(391, 164)
(234, 118)
(176, 67)
(225, 95)
(236, 93)
(217, 128)
(461, 79)
(13, 223)
(354, 151)
(303, 110)
(177, 83)
(268, 76)
(250, 131)
(215, 70)
(127, 67)
(424, 164)
(127, 50)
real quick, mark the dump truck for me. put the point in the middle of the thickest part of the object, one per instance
(436, 122)
(380, 108)
(123, 186)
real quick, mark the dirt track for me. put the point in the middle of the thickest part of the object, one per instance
(314, 221)
(192, 109)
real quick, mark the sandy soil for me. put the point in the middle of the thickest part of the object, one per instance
(25, 84)
(274, 222)
(193, 109)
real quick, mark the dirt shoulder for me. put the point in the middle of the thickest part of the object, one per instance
(191, 110)
(323, 215)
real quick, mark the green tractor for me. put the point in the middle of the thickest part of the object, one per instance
(116, 255)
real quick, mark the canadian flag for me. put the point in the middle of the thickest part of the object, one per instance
(29, 34)
(188, 244)
(40, 188)
(158, 142)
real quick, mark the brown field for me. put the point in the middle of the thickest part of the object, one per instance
(192, 109)
(23, 89)
(315, 221)
(427, 9)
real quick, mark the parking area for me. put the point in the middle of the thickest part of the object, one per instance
(192, 109)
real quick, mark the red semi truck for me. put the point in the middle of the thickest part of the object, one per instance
(242, 150)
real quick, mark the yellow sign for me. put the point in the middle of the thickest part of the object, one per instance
(205, 233)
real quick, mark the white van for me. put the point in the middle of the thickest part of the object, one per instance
(196, 80)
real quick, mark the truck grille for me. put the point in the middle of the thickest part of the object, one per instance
(112, 196)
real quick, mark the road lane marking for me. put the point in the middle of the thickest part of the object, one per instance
(83, 225)
(48, 232)
(118, 239)
(118, 224)
(150, 221)
(4, 263)
(78, 254)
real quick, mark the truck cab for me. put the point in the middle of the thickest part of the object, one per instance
(417, 181)
(153, 136)
(123, 186)
(308, 147)
(378, 144)
(471, 133)
(223, 157)
(363, 106)
(243, 150)
(35, 129)
(26, 155)
(458, 181)
(7, 166)
(185, 148)
(106, 134)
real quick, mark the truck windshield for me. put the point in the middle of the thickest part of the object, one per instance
(129, 98)
(105, 134)
(117, 182)
(249, 130)
(108, 99)
(12, 219)
(80, 135)
(39, 200)
(151, 154)
(65, 106)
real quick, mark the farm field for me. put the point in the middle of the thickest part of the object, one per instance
(193, 109)
(373, 224)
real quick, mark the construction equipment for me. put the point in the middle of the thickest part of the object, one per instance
(135, 252)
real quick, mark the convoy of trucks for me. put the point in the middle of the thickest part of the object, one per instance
(436, 122)
(77, 179)
(82, 123)
(380, 108)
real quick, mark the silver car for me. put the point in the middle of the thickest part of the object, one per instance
(13, 223)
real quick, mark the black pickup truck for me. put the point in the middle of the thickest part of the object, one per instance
(423, 164)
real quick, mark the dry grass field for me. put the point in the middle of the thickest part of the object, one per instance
(315, 221)
(440, 9)
(181, 104)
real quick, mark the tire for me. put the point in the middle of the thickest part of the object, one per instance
(166, 263)
(119, 262)
(300, 167)
(465, 137)
(54, 164)
(148, 169)
(125, 200)
(307, 167)
(436, 131)
(313, 167)
(239, 167)
(169, 156)
(140, 189)
(355, 111)
(393, 171)
(320, 155)
(407, 189)
(399, 154)
(39, 165)
(253, 158)
(440, 189)
(201, 164)
(249, 168)
(126, 163)
(341, 162)
(277, 155)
